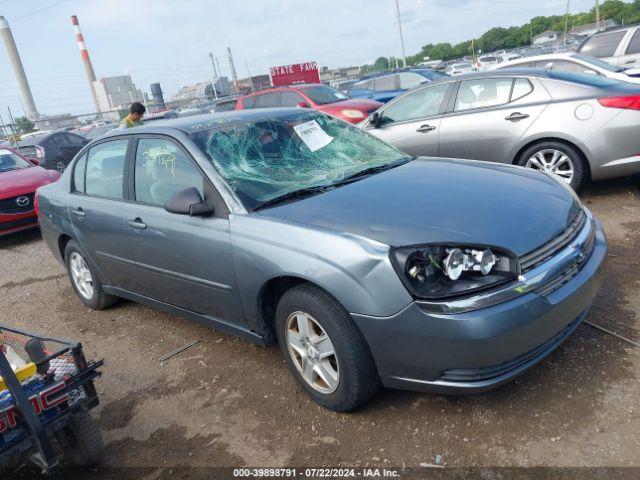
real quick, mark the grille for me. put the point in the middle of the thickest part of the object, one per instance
(487, 373)
(548, 250)
(10, 205)
(571, 270)
(18, 223)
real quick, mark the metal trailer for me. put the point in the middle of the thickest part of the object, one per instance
(44, 417)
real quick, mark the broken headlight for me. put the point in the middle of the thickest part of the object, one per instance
(443, 271)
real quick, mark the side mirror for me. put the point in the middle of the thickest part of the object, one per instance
(375, 119)
(34, 161)
(303, 105)
(188, 202)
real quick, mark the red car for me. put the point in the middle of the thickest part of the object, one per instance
(19, 179)
(311, 95)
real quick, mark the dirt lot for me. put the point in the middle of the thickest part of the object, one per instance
(226, 402)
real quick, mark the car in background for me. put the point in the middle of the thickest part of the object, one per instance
(367, 267)
(159, 115)
(224, 104)
(100, 130)
(311, 95)
(53, 150)
(460, 68)
(383, 88)
(487, 61)
(573, 62)
(576, 126)
(619, 46)
(19, 179)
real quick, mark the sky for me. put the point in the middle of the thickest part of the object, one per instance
(169, 41)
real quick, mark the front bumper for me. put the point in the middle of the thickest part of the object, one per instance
(16, 223)
(477, 350)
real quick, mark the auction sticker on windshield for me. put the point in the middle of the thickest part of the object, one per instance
(313, 135)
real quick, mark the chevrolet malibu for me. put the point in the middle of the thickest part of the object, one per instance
(368, 267)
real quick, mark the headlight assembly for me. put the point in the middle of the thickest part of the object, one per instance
(444, 271)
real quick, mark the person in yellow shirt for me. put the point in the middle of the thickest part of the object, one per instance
(134, 119)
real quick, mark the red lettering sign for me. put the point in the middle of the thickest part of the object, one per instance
(295, 73)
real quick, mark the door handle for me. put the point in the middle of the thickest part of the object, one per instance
(629, 61)
(78, 212)
(425, 128)
(137, 223)
(514, 117)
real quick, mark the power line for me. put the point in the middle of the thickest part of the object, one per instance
(35, 12)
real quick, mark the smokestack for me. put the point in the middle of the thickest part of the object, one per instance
(85, 60)
(234, 75)
(158, 98)
(18, 70)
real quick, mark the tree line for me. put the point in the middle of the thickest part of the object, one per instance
(500, 38)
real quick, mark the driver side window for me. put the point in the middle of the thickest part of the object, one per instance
(163, 169)
(425, 102)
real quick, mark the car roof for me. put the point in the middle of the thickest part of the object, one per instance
(535, 58)
(34, 139)
(211, 120)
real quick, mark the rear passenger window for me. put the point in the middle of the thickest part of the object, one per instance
(163, 169)
(105, 169)
(384, 84)
(634, 44)
(268, 100)
(604, 45)
(482, 93)
(290, 99)
(521, 88)
(78, 174)
(249, 102)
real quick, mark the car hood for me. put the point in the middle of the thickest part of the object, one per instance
(363, 105)
(25, 180)
(434, 200)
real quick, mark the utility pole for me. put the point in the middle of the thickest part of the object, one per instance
(215, 76)
(597, 15)
(404, 56)
(566, 23)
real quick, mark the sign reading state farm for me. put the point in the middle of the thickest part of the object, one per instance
(295, 73)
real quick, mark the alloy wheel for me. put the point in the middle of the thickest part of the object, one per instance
(81, 275)
(312, 352)
(553, 161)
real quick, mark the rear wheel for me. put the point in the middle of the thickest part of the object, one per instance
(83, 440)
(324, 350)
(84, 280)
(556, 158)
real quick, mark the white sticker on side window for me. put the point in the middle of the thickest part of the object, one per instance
(313, 135)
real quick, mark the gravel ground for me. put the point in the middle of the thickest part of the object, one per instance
(226, 402)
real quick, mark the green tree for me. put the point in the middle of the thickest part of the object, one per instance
(24, 125)
(381, 64)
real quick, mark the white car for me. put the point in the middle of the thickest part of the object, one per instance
(574, 62)
(460, 68)
(618, 46)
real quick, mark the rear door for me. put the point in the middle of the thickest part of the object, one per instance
(487, 117)
(411, 122)
(178, 259)
(98, 207)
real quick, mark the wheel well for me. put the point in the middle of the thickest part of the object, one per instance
(585, 161)
(62, 244)
(269, 297)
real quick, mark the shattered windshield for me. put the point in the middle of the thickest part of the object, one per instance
(266, 159)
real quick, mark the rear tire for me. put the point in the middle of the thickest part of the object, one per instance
(556, 157)
(84, 440)
(352, 374)
(84, 280)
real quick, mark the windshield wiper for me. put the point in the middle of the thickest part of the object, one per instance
(303, 192)
(369, 171)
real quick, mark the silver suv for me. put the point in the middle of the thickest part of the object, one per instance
(619, 46)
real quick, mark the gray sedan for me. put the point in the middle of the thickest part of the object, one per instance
(577, 126)
(368, 267)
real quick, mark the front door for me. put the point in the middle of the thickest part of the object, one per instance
(411, 123)
(180, 260)
(489, 117)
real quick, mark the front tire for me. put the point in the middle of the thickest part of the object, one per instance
(84, 280)
(556, 158)
(324, 350)
(83, 440)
